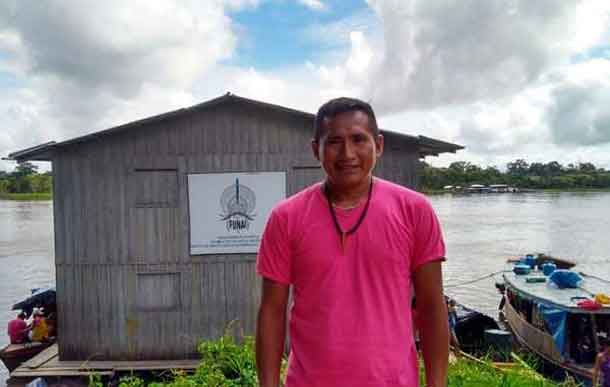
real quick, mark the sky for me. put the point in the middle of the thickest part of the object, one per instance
(507, 79)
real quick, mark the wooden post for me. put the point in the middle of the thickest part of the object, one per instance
(595, 338)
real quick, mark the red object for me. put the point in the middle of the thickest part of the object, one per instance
(589, 305)
(17, 331)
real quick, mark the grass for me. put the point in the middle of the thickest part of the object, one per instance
(225, 362)
(468, 373)
(26, 196)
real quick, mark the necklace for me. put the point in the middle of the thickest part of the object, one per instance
(344, 234)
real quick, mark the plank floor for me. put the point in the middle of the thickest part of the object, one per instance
(47, 363)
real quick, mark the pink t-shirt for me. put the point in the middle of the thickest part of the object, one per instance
(16, 330)
(350, 321)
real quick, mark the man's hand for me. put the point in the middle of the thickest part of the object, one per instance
(432, 322)
(271, 332)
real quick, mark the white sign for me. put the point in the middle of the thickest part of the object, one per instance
(228, 211)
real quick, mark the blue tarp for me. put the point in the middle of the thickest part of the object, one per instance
(556, 323)
(565, 279)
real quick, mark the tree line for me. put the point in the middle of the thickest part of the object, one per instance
(518, 173)
(26, 179)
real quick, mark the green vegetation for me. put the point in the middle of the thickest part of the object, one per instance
(26, 196)
(25, 183)
(519, 173)
(226, 363)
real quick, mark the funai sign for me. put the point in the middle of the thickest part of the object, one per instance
(228, 211)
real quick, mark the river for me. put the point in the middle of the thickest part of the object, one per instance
(481, 232)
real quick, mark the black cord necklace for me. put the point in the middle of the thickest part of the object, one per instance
(344, 234)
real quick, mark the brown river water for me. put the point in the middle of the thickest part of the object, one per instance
(481, 231)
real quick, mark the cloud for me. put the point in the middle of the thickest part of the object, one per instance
(503, 78)
(315, 5)
(579, 113)
(86, 66)
(506, 78)
(122, 47)
(336, 34)
(439, 53)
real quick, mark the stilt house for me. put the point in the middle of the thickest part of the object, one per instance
(142, 272)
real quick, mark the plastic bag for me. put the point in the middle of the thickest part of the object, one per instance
(565, 278)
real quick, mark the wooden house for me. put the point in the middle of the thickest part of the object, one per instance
(128, 284)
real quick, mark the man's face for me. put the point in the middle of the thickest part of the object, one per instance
(348, 150)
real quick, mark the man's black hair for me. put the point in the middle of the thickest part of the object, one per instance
(22, 315)
(340, 105)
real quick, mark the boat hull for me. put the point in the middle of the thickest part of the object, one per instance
(13, 355)
(541, 344)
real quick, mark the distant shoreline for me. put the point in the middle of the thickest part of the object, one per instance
(26, 196)
(536, 190)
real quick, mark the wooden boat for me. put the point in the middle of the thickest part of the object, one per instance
(13, 355)
(547, 321)
(470, 329)
(543, 258)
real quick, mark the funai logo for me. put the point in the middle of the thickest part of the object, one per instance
(238, 203)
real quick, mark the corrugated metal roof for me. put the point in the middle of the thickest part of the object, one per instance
(427, 146)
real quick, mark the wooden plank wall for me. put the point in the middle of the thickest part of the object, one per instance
(115, 224)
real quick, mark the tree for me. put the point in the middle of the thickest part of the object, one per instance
(536, 169)
(586, 167)
(25, 169)
(518, 167)
(553, 168)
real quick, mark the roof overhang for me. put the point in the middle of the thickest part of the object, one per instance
(426, 146)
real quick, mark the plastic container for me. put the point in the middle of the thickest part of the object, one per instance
(535, 279)
(501, 342)
(565, 278)
(522, 269)
(548, 268)
(530, 261)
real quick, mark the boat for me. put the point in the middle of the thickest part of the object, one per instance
(13, 355)
(547, 320)
(541, 258)
(470, 330)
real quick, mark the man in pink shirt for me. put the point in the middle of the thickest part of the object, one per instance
(352, 248)
(18, 329)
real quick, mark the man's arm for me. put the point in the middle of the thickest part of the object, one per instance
(433, 325)
(271, 332)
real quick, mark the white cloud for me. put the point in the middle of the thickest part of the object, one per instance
(85, 66)
(579, 113)
(498, 76)
(316, 5)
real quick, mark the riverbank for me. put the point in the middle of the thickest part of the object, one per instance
(225, 362)
(426, 191)
(26, 196)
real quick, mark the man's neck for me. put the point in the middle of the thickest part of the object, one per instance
(348, 197)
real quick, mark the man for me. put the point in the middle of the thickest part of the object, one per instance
(18, 329)
(352, 248)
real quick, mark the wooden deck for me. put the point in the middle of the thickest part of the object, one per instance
(47, 365)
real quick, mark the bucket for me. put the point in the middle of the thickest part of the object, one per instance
(548, 268)
(521, 269)
(500, 342)
(530, 261)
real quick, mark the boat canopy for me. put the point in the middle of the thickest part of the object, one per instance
(564, 299)
(39, 297)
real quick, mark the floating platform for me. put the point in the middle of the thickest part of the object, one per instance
(76, 373)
